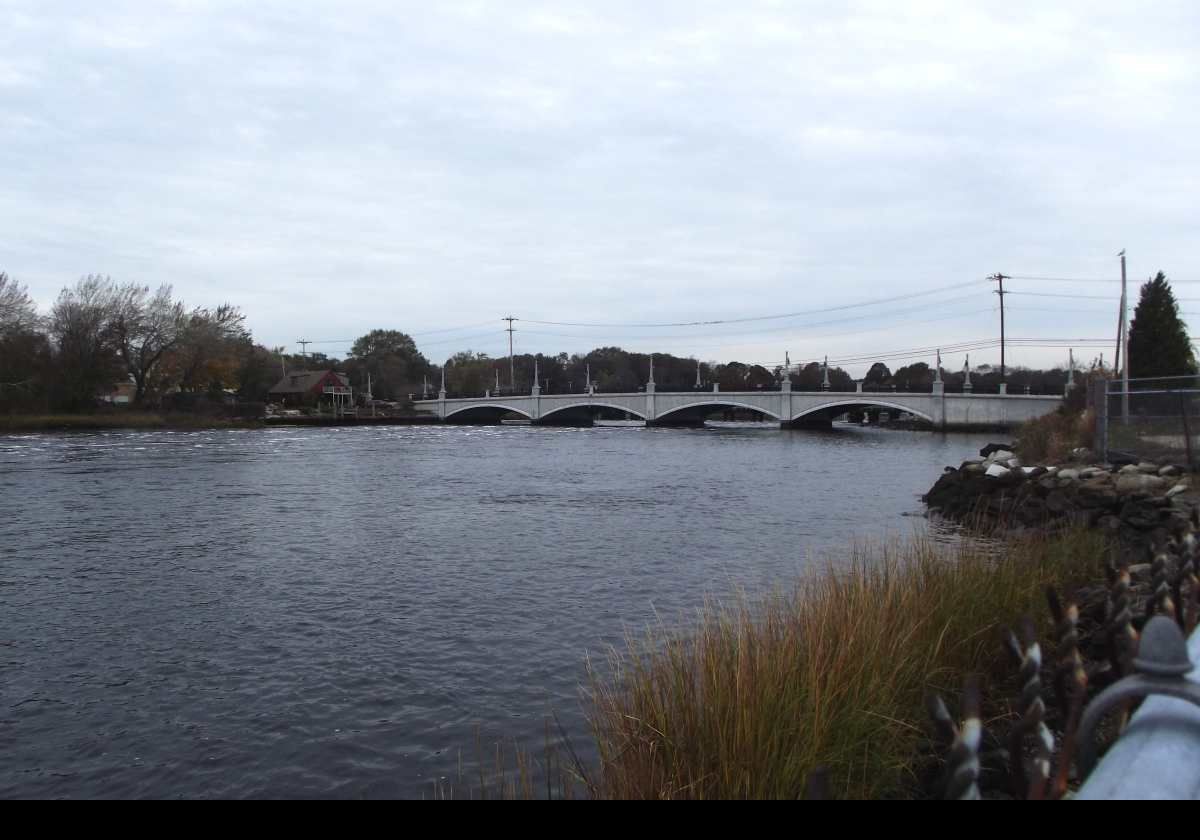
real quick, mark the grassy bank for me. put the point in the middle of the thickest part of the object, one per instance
(1050, 439)
(115, 420)
(751, 699)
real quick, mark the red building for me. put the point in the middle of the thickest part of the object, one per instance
(313, 387)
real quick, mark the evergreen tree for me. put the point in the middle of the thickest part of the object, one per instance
(1158, 339)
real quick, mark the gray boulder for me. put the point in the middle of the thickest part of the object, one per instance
(1129, 483)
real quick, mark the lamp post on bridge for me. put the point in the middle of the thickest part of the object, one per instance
(651, 415)
(442, 394)
(785, 392)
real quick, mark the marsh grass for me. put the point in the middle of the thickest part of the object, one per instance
(1050, 439)
(506, 770)
(757, 694)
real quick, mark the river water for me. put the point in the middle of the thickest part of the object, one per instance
(346, 612)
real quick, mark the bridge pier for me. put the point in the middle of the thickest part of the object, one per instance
(678, 421)
(818, 422)
(566, 420)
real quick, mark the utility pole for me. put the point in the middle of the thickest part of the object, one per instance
(303, 342)
(1124, 345)
(512, 376)
(1120, 332)
(1000, 278)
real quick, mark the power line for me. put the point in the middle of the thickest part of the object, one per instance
(927, 352)
(453, 329)
(746, 320)
(492, 332)
(1058, 309)
(962, 347)
(410, 335)
(1060, 295)
(1063, 279)
(693, 347)
(890, 315)
(1089, 279)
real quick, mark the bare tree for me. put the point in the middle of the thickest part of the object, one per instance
(146, 327)
(17, 312)
(81, 326)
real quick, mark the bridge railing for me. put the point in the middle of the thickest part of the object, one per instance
(875, 390)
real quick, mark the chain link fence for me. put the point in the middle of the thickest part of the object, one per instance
(1155, 419)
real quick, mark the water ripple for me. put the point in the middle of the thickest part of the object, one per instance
(336, 612)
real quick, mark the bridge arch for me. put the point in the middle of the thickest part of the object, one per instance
(840, 406)
(468, 412)
(550, 411)
(709, 405)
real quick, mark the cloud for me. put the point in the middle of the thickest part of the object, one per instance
(336, 169)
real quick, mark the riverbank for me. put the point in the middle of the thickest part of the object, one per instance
(116, 420)
(822, 690)
(1129, 502)
(363, 420)
(825, 692)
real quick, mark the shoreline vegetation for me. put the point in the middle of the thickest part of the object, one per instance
(115, 421)
(816, 692)
(825, 686)
(135, 420)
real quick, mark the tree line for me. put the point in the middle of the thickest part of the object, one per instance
(613, 369)
(99, 333)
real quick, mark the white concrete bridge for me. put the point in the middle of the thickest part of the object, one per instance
(786, 407)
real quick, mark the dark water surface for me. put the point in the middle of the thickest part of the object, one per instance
(335, 612)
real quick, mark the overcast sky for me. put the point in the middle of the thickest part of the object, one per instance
(333, 168)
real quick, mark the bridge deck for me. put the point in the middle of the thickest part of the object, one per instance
(938, 409)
